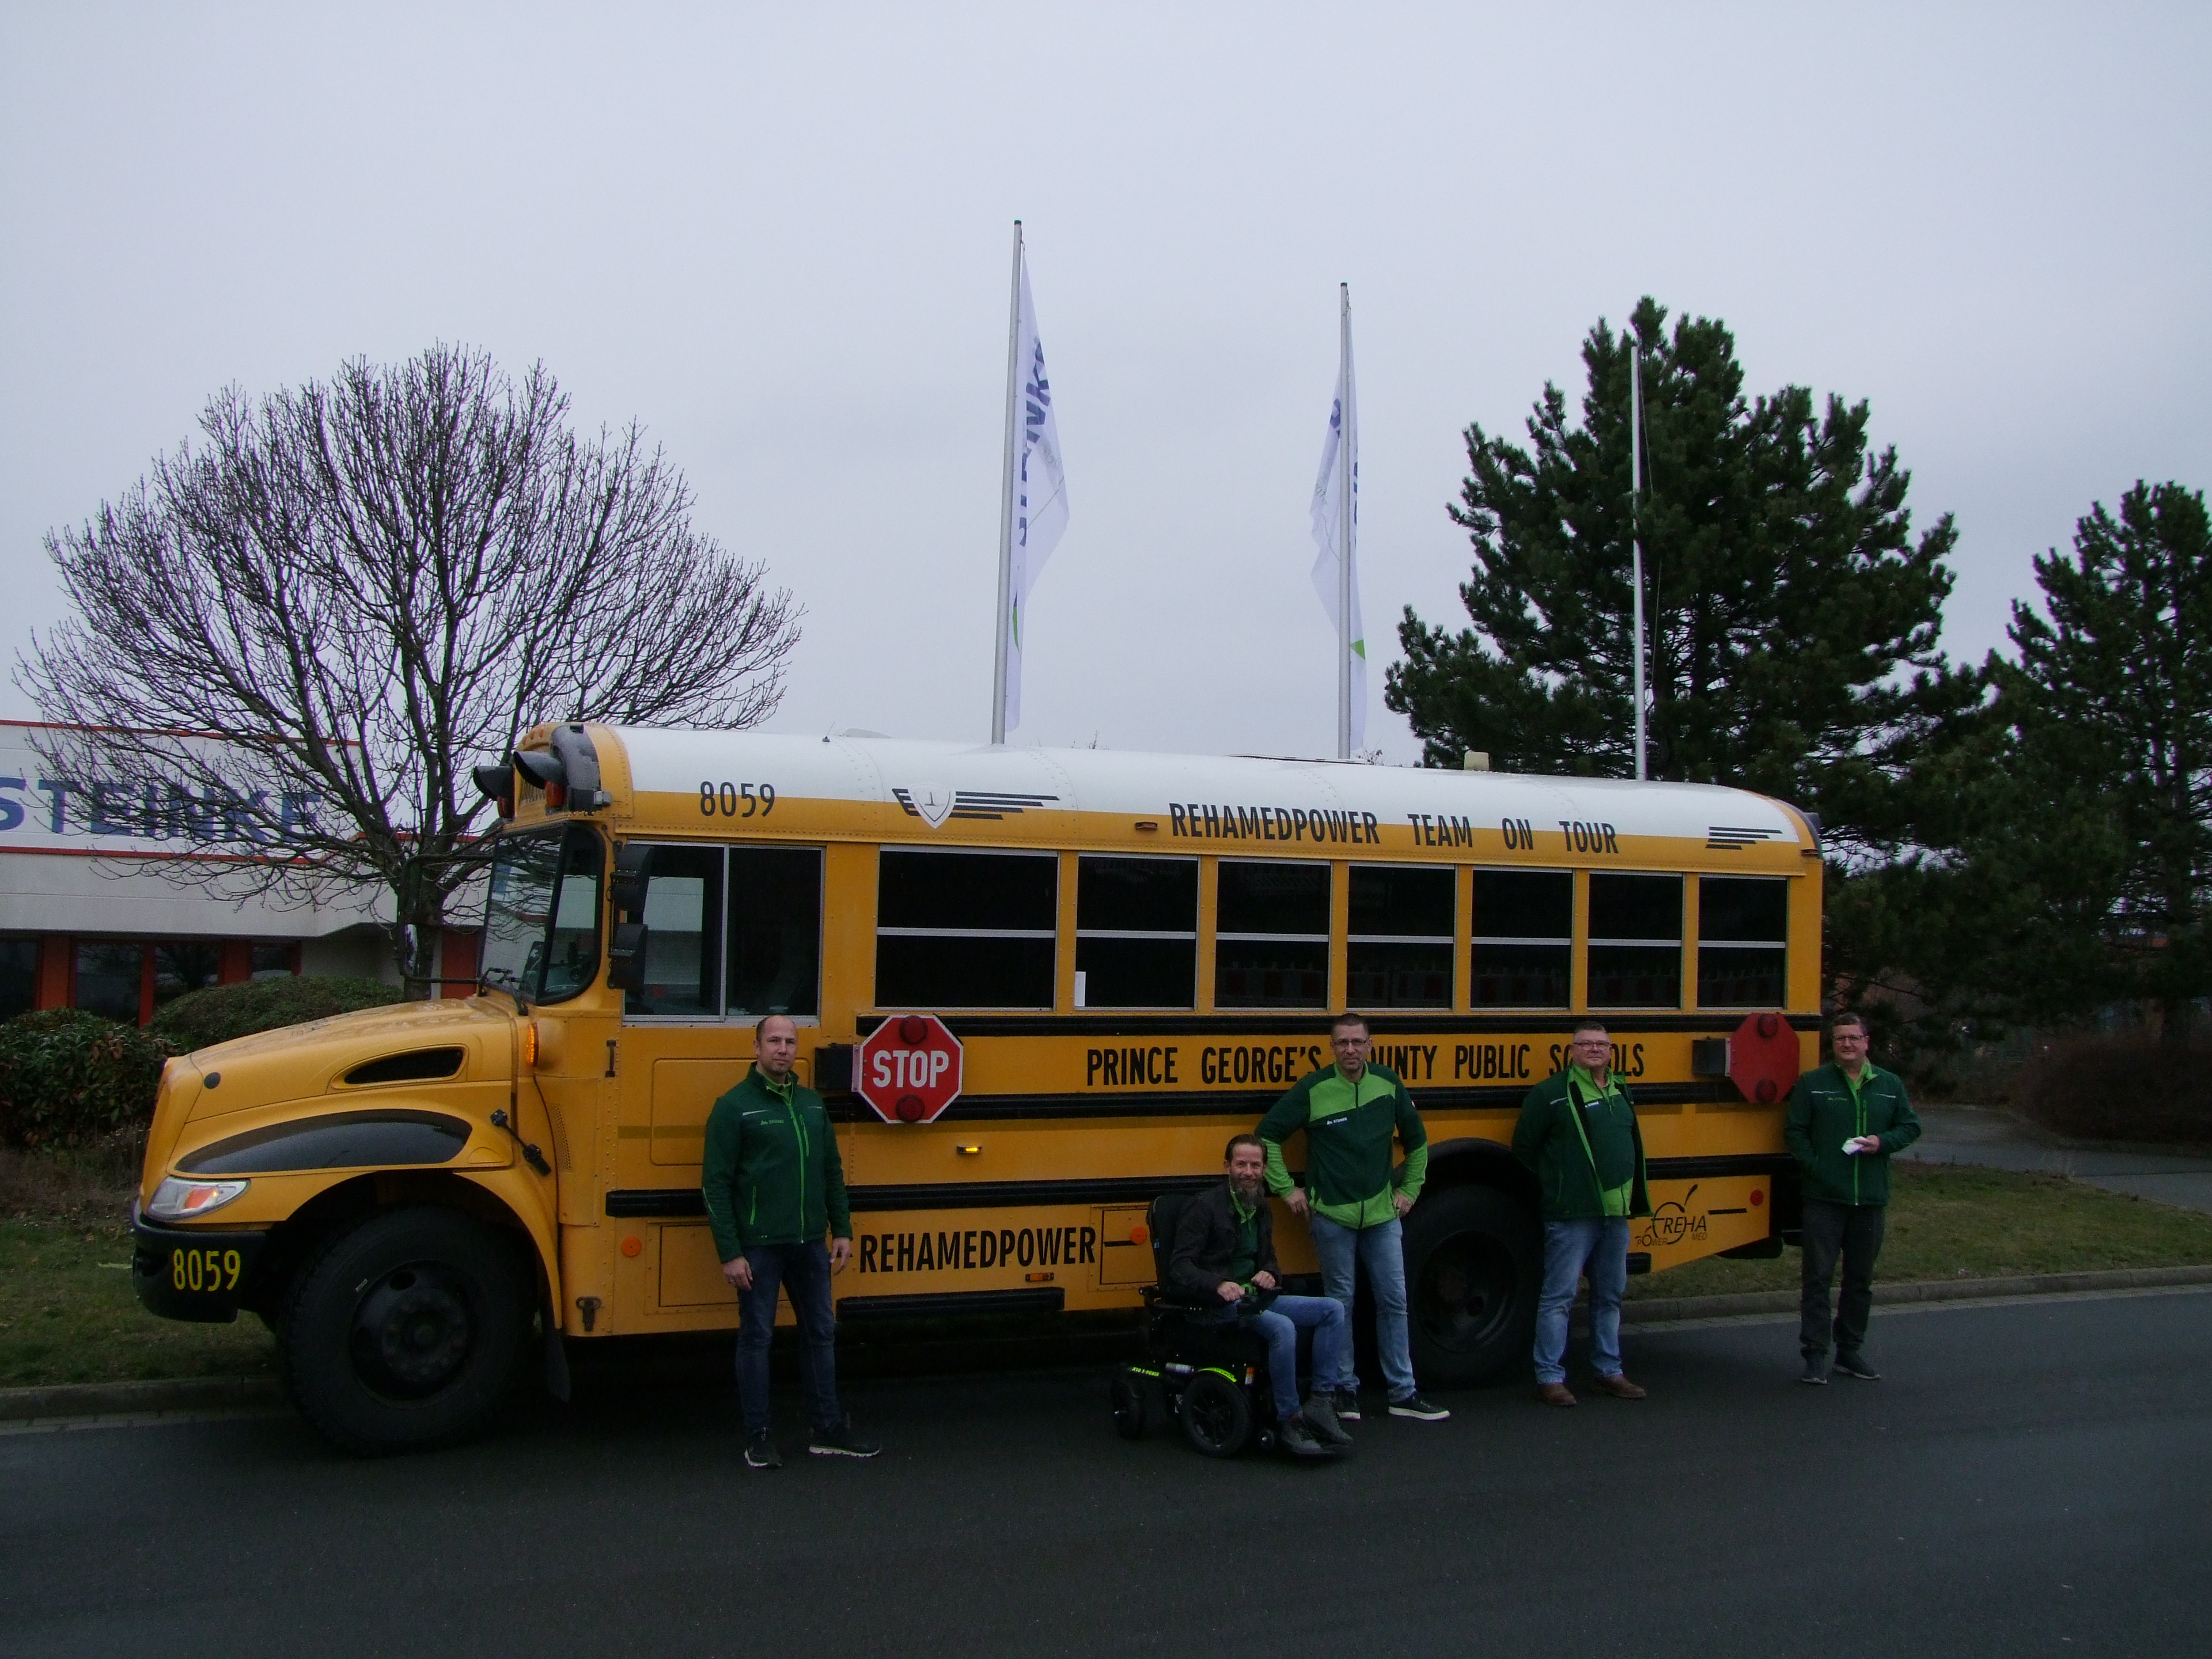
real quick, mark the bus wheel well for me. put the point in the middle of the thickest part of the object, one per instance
(1481, 1164)
(299, 1238)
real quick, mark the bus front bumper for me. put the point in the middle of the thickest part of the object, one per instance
(190, 1273)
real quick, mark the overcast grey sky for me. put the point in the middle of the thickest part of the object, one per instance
(778, 236)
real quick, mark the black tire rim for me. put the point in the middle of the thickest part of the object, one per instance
(1211, 1415)
(1463, 1300)
(413, 1331)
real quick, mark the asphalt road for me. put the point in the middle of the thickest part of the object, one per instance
(2029, 1478)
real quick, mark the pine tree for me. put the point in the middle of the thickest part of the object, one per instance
(1792, 615)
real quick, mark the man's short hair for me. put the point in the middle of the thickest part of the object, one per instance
(759, 1026)
(1247, 1139)
(1347, 1019)
(1597, 1025)
(1858, 1020)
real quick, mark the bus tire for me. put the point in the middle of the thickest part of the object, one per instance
(1474, 1261)
(406, 1331)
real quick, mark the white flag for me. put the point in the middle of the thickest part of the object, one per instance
(1340, 469)
(1039, 510)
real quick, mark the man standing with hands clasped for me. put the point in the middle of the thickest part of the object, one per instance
(1578, 1133)
(773, 1185)
(1844, 1120)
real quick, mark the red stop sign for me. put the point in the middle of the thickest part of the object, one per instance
(1763, 1058)
(910, 1068)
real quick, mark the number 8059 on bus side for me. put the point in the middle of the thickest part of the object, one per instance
(736, 800)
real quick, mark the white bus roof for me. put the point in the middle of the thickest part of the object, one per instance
(951, 781)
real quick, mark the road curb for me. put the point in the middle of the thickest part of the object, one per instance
(178, 1393)
(1666, 1310)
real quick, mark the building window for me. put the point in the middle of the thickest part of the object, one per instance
(1400, 951)
(1136, 932)
(966, 930)
(273, 961)
(1743, 930)
(1635, 941)
(19, 975)
(775, 931)
(182, 965)
(1271, 935)
(1524, 925)
(107, 978)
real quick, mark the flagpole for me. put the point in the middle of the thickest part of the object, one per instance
(1006, 501)
(1344, 539)
(1635, 525)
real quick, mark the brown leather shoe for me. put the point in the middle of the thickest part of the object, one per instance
(1554, 1394)
(1620, 1387)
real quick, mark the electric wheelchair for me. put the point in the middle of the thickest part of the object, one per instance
(1211, 1378)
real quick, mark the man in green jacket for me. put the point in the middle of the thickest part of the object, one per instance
(1578, 1134)
(1352, 1199)
(774, 1184)
(1844, 1120)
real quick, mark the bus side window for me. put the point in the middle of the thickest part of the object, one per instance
(1523, 938)
(775, 931)
(1271, 939)
(965, 929)
(1635, 941)
(1136, 932)
(1743, 929)
(1400, 953)
(684, 922)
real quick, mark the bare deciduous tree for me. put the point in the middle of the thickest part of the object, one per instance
(361, 589)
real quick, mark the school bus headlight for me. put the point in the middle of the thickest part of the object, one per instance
(181, 1200)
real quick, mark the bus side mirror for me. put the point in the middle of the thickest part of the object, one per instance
(633, 872)
(626, 957)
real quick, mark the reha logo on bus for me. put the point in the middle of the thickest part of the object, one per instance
(1671, 1223)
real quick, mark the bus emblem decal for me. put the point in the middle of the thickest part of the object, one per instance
(932, 803)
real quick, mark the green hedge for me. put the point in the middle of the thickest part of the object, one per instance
(70, 1079)
(200, 1019)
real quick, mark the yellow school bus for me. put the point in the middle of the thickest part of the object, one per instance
(1135, 953)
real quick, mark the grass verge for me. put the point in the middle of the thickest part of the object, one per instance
(1957, 1223)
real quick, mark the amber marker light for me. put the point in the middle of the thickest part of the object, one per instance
(968, 1151)
(530, 1042)
(1037, 1278)
(632, 1245)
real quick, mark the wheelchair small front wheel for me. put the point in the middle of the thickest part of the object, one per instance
(1127, 1397)
(1217, 1418)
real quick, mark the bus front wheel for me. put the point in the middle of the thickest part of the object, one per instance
(406, 1331)
(1474, 1262)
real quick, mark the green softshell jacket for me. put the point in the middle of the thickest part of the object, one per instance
(1551, 1141)
(1825, 1111)
(1349, 1130)
(773, 1175)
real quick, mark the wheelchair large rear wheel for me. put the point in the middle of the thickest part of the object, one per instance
(1217, 1418)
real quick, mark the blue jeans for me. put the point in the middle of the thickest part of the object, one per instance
(1279, 1327)
(1380, 1250)
(1570, 1247)
(803, 1270)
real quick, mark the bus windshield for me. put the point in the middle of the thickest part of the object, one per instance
(541, 923)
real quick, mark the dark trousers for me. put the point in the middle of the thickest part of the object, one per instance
(803, 1270)
(1852, 1231)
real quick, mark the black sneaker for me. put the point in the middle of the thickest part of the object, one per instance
(1852, 1364)
(1346, 1404)
(841, 1442)
(761, 1453)
(1816, 1370)
(1297, 1439)
(1414, 1406)
(1321, 1420)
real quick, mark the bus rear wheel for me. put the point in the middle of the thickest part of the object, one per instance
(1474, 1263)
(407, 1331)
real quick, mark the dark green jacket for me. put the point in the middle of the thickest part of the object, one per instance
(773, 1175)
(1552, 1144)
(1348, 1135)
(1824, 1114)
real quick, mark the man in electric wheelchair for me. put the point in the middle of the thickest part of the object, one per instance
(1221, 1280)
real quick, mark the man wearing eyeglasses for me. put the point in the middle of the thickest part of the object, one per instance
(1352, 1199)
(1578, 1133)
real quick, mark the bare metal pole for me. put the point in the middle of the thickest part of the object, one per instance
(1007, 501)
(1635, 525)
(1346, 524)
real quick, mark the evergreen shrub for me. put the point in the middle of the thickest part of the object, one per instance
(72, 1079)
